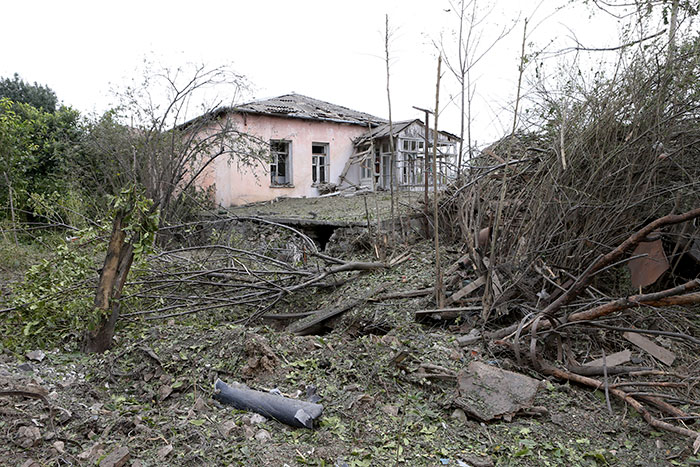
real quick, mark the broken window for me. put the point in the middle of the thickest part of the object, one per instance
(365, 162)
(280, 163)
(410, 162)
(366, 168)
(319, 163)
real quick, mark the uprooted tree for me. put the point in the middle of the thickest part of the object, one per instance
(146, 156)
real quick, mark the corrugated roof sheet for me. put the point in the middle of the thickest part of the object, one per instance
(298, 106)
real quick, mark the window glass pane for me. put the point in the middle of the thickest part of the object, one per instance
(319, 162)
(279, 164)
(278, 146)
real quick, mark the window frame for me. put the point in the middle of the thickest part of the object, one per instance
(275, 162)
(320, 161)
(411, 162)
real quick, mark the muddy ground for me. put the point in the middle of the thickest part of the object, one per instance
(149, 402)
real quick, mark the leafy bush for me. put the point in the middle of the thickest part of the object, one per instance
(53, 304)
(35, 147)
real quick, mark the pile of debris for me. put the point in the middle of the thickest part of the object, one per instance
(556, 249)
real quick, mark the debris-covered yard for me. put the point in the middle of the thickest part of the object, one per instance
(399, 383)
(540, 309)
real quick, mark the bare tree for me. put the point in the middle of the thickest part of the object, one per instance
(470, 51)
(153, 146)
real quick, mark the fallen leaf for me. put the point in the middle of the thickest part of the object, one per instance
(199, 404)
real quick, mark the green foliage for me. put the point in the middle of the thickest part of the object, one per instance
(35, 146)
(15, 259)
(36, 95)
(54, 302)
(140, 218)
(17, 148)
(65, 208)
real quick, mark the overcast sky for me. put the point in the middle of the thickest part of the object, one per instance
(330, 50)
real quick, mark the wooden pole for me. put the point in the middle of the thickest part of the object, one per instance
(439, 291)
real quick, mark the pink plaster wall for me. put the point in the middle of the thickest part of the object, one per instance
(233, 187)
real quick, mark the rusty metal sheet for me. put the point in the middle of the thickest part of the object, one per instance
(647, 270)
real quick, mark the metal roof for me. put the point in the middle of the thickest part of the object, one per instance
(298, 106)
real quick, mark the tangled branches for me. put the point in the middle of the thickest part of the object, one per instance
(243, 282)
(607, 164)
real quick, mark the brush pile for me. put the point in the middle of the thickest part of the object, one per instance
(565, 226)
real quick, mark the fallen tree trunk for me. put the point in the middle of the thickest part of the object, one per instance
(292, 412)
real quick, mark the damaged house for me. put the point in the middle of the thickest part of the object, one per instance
(315, 145)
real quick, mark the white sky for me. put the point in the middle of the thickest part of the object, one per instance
(329, 50)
